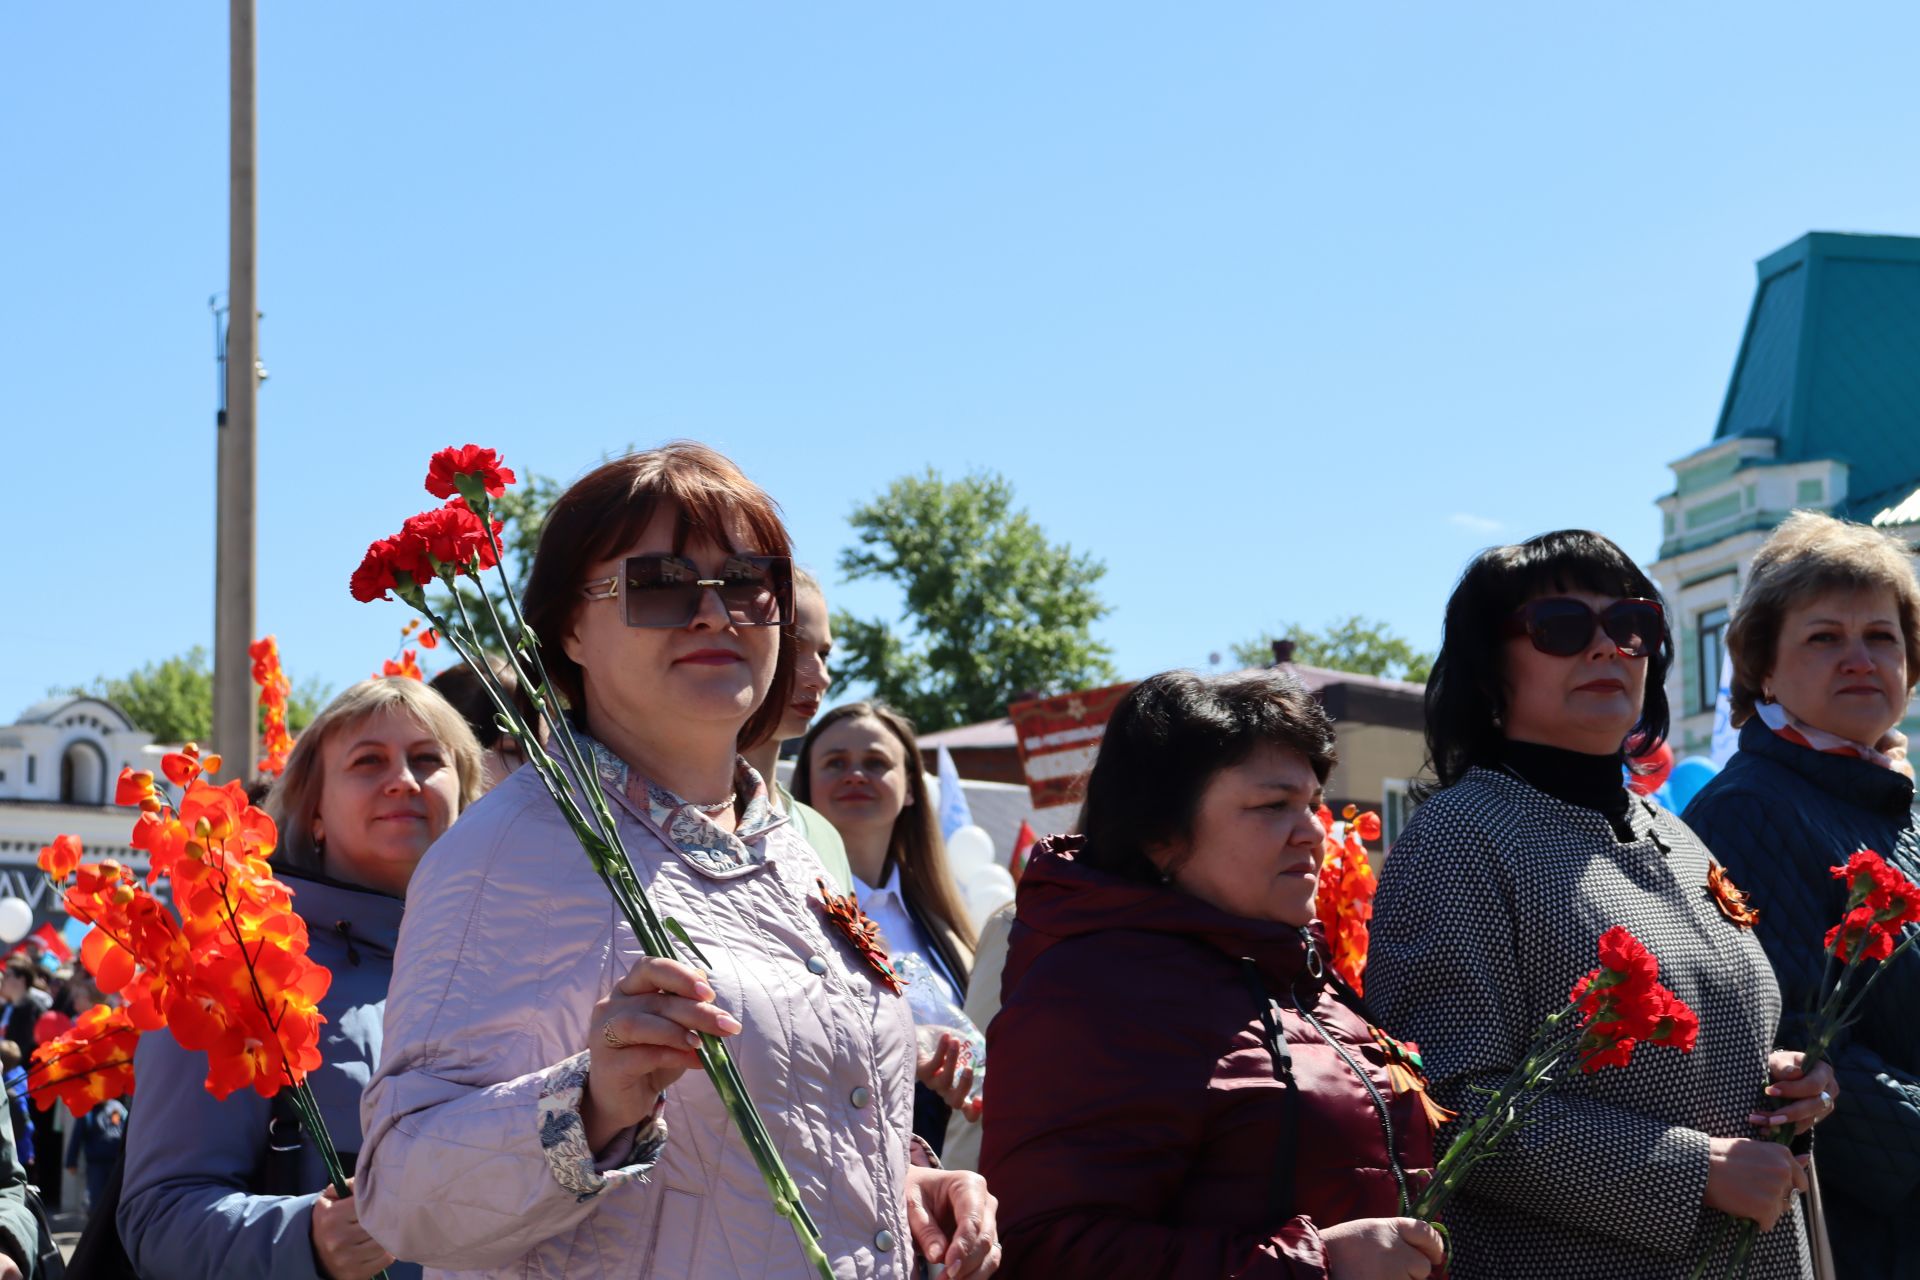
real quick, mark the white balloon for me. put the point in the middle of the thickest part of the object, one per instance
(967, 848)
(986, 890)
(16, 917)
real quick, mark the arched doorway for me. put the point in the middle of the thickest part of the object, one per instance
(83, 774)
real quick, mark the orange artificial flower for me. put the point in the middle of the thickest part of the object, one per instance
(1343, 901)
(61, 858)
(90, 1062)
(276, 744)
(228, 975)
(407, 666)
(135, 787)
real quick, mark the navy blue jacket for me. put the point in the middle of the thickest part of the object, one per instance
(1779, 817)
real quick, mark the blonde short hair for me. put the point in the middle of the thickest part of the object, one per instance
(296, 797)
(1809, 556)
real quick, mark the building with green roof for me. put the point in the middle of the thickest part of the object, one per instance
(1823, 413)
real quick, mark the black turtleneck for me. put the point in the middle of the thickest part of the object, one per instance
(1591, 782)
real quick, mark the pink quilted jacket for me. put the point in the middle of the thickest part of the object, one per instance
(509, 940)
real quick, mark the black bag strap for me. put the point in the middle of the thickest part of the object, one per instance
(1280, 1180)
(279, 1172)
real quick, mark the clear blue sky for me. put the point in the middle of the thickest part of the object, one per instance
(1283, 310)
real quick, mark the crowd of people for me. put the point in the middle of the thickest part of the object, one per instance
(1179, 1086)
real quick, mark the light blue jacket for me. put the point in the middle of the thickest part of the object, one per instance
(194, 1205)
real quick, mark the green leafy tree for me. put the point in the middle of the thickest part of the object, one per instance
(1358, 644)
(172, 699)
(992, 609)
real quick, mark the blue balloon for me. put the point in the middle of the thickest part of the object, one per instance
(1688, 776)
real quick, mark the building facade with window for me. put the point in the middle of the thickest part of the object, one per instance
(1823, 414)
(58, 766)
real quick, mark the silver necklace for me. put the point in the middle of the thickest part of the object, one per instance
(717, 806)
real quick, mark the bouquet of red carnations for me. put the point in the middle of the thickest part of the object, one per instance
(1611, 1012)
(1881, 903)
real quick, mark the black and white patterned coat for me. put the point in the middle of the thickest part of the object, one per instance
(1489, 910)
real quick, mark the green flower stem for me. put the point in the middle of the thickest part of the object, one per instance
(1505, 1113)
(1836, 1014)
(308, 1110)
(1720, 1231)
(576, 791)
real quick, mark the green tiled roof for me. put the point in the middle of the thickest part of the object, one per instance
(1830, 365)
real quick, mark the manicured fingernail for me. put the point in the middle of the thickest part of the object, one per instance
(702, 991)
(728, 1023)
(693, 1039)
(1756, 1119)
(1776, 1119)
(1773, 1091)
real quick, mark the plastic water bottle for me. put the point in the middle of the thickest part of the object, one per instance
(935, 1013)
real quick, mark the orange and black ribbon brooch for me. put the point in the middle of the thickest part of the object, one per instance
(1407, 1072)
(844, 914)
(1730, 898)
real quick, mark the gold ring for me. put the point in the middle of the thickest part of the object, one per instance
(606, 1033)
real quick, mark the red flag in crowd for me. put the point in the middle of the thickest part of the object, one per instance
(49, 937)
(1023, 843)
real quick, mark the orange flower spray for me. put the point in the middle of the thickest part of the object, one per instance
(1343, 902)
(276, 744)
(225, 971)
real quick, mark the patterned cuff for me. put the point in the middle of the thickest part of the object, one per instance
(563, 1135)
(920, 1153)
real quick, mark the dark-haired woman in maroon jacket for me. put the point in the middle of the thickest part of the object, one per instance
(1178, 1087)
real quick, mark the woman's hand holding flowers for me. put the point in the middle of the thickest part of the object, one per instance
(1754, 1179)
(952, 1217)
(641, 1038)
(1383, 1249)
(341, 1245)
(1805, 1098)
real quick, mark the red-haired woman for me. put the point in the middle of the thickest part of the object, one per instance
(529, 1117)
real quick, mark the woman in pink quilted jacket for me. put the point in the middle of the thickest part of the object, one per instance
(534, 1113)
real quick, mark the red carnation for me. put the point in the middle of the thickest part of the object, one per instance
(483, 465)
(1624, 1005)
(1621, 953)
(374, 578)
(451, 535)
(1858, 933)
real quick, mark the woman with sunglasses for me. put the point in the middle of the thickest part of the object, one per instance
(530, 1116)
(1490, 909)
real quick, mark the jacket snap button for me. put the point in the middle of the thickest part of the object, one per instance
(860, 1097)
(816, 966)
(884, 1242)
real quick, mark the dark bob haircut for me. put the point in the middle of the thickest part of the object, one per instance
(1168, 738)
(606, 510)
(1466, 695)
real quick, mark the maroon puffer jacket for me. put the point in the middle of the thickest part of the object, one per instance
(1133, 1119)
